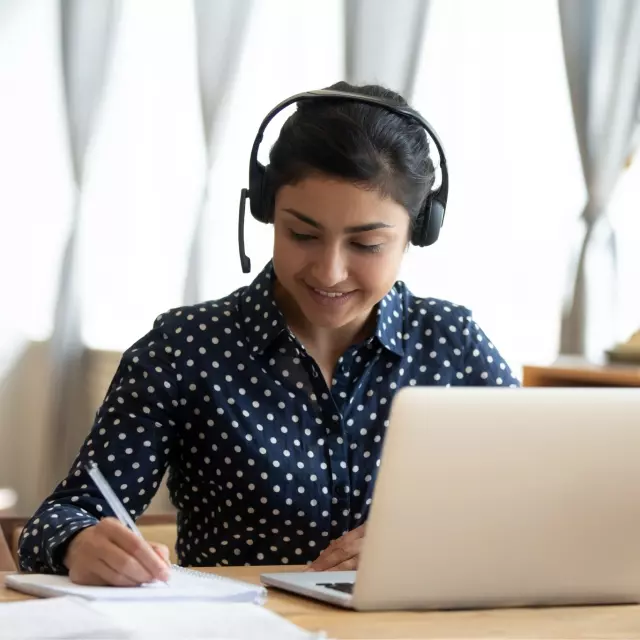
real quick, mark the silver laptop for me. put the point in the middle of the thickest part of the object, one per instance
(490, 497)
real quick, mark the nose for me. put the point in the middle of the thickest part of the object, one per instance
(329, 267)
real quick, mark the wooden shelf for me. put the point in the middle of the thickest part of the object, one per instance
(571, 373)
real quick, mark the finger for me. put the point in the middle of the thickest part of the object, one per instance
(344, 541)
(94, 579)
(350, 537)
(351, 541)
(137, 547)
(86, 578)
(332, 557)
(113, 577)
(359, 531)
(348, 565)
(162, 550)
(121, 562)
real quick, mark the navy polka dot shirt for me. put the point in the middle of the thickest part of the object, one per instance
(267, 464)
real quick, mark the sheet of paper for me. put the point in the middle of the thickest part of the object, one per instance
(182, 586)
(56, 619)
(190, 620)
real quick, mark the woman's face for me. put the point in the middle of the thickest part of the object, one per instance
(337, 248)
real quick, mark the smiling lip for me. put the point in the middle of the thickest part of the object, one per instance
(330, 298)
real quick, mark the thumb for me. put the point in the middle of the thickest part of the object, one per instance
(162, 550)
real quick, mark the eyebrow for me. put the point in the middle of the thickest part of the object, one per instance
(372, 226)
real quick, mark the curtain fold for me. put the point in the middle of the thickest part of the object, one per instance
(383, 42)
(601, 42)
(87, 31)
(220, 28)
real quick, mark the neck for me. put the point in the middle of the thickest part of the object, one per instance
(333, 341)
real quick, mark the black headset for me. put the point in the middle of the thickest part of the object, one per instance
(426, 227)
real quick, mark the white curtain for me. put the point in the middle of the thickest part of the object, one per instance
(383, 42)
(220, 33)
(87, 37)
(500, 103)
(602, 55)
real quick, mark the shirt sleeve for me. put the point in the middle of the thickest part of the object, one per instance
(483, 364)
(132, 440)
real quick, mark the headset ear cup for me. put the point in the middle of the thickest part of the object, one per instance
(268, 197)
(256, 189)
(427, 225)
(419, 224)
(436, 218)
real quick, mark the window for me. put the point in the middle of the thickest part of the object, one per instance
(492, 82)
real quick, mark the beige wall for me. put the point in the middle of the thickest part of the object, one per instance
(25, 451)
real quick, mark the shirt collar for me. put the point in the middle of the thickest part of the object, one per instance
(264, 322)
(390, 322)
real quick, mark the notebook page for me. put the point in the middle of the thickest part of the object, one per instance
(55, 619)
(191, 620)
(181, 586)
(229, 589)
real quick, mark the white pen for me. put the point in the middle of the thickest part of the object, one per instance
(112, 499)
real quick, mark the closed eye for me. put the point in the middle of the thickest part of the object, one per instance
(301, 237)
(370, 248)
(359, 246)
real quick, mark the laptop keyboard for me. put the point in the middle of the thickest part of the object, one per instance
(345, 587)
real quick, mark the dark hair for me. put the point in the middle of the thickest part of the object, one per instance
(360, 143)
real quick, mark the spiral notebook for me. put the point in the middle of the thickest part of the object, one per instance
(183, 584)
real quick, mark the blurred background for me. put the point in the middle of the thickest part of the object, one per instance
(125, 131)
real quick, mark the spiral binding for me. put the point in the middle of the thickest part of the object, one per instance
(260, 592)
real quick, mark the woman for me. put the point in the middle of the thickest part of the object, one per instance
(269, 406)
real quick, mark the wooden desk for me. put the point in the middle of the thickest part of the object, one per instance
(578, 623)
(568, 373)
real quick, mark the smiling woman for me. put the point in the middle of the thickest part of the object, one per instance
(348, 182)
(271, 404)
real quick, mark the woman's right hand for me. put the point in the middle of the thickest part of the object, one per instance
(109, 553)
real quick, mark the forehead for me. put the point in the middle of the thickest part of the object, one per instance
(336, 203)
